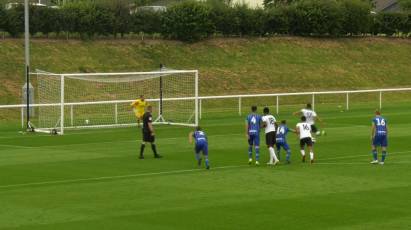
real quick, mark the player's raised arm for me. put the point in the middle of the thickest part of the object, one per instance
(134, 103)
(298, 113)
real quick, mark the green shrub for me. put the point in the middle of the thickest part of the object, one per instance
(315, 17)
(15, 21)
(390, 23)
(188, 21)
(357, 19)
(276, 21)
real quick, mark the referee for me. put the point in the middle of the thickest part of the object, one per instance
(148, 133)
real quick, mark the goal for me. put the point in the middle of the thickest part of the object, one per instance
(102, 100)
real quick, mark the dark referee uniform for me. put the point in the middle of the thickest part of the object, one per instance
(147, 136)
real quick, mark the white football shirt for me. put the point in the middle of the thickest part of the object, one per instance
(269, 121)
(305, 130)
(310, 115)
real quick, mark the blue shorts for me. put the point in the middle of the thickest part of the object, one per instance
(201, 147)
(254, 139)
(284, 145)
(380, 141)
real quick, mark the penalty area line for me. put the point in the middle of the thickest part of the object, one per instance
(175, 172)
(97, 179)
(360, 163)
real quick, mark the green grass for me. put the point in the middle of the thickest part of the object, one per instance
(227, 66)
(92, 179)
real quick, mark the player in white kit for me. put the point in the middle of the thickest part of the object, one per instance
(303, 129)
(311, 117)
(269, 123)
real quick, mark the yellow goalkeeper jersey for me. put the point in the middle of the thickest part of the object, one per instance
(139, 106)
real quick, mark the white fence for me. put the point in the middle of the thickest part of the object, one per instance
(239, 99)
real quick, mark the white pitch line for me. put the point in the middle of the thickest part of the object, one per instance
(170, 173)
(363, 155)
(114, 177)
(358, 163)
(111, 142)
(17, 146)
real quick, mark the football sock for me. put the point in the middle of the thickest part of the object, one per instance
(207, 163)
(311, 156)
(153, 147)
(142, 149)
(384, 154)
(257, 153)
(288, 155)
(278, 154)
(302, 153)
(250, 152)
(374, 154)
(198, 156)
(273, 153)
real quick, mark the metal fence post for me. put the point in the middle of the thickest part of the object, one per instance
(116, 112)
(313, 101)
(277, 105)
(22, 117)
(71, 115)
(380, 99)
(239, 106)
(200, 108)
(347, 106)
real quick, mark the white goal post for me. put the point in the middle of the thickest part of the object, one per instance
(103, 100)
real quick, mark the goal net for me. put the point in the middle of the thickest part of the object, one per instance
(98, 100)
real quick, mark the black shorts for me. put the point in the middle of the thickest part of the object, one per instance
(314, 129)
(147, 137)
(306, 141)
(270, 138)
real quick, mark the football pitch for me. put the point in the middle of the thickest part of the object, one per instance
(93, 179)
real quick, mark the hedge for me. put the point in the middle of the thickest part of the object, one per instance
(192, 20)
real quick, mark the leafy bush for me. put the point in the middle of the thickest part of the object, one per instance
(3, 18)
(146, 21)
(195, 20)
(15, 21)
(315, 17)
(276, 21)
(357, 19)
(390, 23)
(188, 21)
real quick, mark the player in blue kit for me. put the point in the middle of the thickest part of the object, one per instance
(281, 140)
(252, 132)
(201, 145)
(379, 132)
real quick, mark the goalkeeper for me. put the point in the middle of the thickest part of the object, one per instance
(139, 107)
